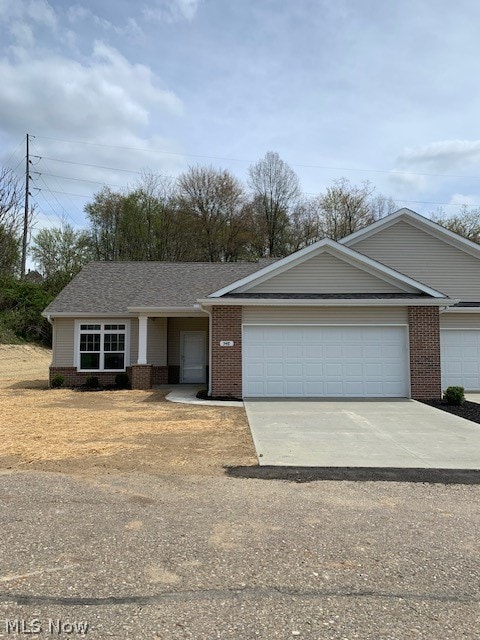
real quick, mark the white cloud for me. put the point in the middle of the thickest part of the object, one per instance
(22, 34)
(171, 10)
(106, 93)
(443, 155)
(77, 13)
(406, 182)
(461, 198)
(40, 12)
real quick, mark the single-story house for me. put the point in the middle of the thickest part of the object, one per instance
(392, 310)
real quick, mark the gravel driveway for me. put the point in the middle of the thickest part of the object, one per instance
(217, 557)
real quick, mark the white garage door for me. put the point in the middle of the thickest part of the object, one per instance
(313, 361)
(460, 357)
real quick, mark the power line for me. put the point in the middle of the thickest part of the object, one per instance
(84, 164)
(70, 200)
(54, 175)
(14, 152)
(307, 166)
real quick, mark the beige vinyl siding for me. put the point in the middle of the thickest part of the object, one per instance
(175, 326)
(425, 258)
(63, 340)
(157, 341)
(325, 315)
(133, 340)
(325, 273)
(460, 320)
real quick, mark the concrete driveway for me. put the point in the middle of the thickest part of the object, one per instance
(361, 433)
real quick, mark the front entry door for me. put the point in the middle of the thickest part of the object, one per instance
(193, 356)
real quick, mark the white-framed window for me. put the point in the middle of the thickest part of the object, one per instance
(102, 345)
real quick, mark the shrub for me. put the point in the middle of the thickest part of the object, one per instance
(454, 395)
(122, 380)
(57, 381)
(92, 382)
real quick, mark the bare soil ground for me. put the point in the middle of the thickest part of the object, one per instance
(72, 432)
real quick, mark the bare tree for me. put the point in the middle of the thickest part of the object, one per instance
(11, 220)
(213, 199)
(305, 228)
(466, 223)
(345, 208)
(276, 188)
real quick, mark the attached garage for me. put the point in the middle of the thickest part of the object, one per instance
(325, 361)
(460, 358)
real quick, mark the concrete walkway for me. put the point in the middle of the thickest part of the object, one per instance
(187, 394)
(361, 433)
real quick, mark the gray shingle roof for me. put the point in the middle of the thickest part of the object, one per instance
(111, 287)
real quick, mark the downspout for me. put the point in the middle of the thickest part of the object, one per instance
(209, 313)
(209, 391)
(51, 322)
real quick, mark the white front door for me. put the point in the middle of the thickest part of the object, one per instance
(193, 356)
(316, 361)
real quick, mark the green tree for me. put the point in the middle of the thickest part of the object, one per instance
(104, 214)
(60, 253)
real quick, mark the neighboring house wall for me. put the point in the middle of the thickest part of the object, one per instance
(460, 321)
(325, 273)
(325, 315)
(424, 337)
(425, 258)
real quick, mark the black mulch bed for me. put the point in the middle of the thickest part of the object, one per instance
(107, 387)
(468, 410)
(203, 395)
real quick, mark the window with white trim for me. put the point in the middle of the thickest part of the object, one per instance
(102, 346)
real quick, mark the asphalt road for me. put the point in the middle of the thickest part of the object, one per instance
(189, 557)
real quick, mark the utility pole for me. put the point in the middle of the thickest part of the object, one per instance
(27, 207)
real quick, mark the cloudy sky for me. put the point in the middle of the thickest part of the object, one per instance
(369, 90)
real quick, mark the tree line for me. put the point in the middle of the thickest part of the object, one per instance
(208, 215)
(204, 215)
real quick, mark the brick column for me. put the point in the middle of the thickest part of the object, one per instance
(142, 376)
(227, 361)
(424, 336)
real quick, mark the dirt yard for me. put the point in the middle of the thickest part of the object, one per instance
(74, 432)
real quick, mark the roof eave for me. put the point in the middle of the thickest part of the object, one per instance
(328, 302)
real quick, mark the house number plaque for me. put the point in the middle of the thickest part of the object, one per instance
(226, 343)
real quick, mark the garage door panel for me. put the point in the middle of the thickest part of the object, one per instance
(325, 361)
(294, 369)
(460, 358)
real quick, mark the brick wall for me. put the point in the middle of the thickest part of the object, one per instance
(424, 336)
(150, 376)
(142, 375)
(227, 361)
(74, 378)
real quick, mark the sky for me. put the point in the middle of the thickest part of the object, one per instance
(362, 89)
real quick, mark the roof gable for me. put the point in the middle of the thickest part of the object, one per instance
(330, 267)
(418, 221)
